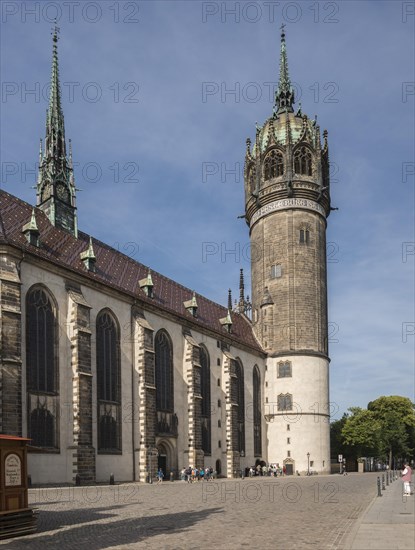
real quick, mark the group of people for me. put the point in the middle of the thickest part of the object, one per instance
(197, 474)
(273, 470)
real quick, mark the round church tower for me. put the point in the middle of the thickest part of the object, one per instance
(287, 202)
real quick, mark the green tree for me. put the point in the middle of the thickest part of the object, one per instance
(396, 416)
(385, 428)
(361, 431)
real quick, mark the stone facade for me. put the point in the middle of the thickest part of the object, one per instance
(10, 344)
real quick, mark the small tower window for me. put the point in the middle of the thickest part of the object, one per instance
(304, 236)
(289, 454)
(284, 370)
(303, 161)
(276, 271)
(273, 165)
(285, 402)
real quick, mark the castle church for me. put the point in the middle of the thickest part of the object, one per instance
(110, 367)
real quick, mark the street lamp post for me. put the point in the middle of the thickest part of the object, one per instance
(308, 464)
(242, 468)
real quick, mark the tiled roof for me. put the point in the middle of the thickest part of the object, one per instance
(114, 269)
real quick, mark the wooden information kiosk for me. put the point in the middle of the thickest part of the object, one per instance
(16, 518)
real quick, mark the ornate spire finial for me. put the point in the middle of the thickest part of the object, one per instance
(230, 300)
(55, 111)
(284, 96)
(241, 287)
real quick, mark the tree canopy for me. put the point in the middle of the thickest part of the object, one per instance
(385, 428)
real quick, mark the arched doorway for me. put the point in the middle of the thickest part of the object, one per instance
(289, 466)
(218, 467)
(167, 457)
(163, 461)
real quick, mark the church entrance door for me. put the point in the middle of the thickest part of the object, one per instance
(289, 469)
(162, 463)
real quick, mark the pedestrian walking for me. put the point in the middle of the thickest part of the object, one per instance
(406, 478)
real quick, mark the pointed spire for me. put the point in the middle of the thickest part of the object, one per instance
(248, 147)
(54, 113)
(191, 305)
(230, 300)
(241, 305)
(40, 152)
(55, 179)
(147, 284)
(88, 257)
(70, 155)
(31, 231)
(227, 321)
(284, 96)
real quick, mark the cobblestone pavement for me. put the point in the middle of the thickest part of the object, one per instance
(270, 513)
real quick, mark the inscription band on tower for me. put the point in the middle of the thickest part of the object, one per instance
(285, 204)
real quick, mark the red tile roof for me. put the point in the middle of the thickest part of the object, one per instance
(114, 269)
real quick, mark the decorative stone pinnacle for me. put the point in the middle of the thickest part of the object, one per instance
(191, 305)
(147, 284)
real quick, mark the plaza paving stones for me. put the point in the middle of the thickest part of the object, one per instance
(270, 513)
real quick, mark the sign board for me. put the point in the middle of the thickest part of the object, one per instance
(340, 458)
(13, 470)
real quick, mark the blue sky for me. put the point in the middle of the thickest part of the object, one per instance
(159, 139)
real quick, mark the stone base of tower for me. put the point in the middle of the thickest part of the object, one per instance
(299, 437)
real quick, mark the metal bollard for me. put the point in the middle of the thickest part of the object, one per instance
(387, 478)
(112, 481)
(383, 482)
(390, 477)
(379, 491)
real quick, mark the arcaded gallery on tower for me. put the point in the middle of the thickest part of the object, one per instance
(110, 367)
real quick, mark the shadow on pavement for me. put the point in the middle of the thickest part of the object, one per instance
(95, 536)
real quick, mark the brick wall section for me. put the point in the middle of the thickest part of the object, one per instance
(194, 401)
(143, 338)
(10, 348)
(298, 319)
(230, 381)
(84, 455)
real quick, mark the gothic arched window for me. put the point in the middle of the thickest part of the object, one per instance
(108, 382)
(42, 377)
(240, 396)
(285, 402)
(284, 370)
(273, 165)
(205, 392)
(303, 161)
(256, 385)
(164, 372)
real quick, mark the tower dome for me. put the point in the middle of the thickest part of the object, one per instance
(287, 159)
